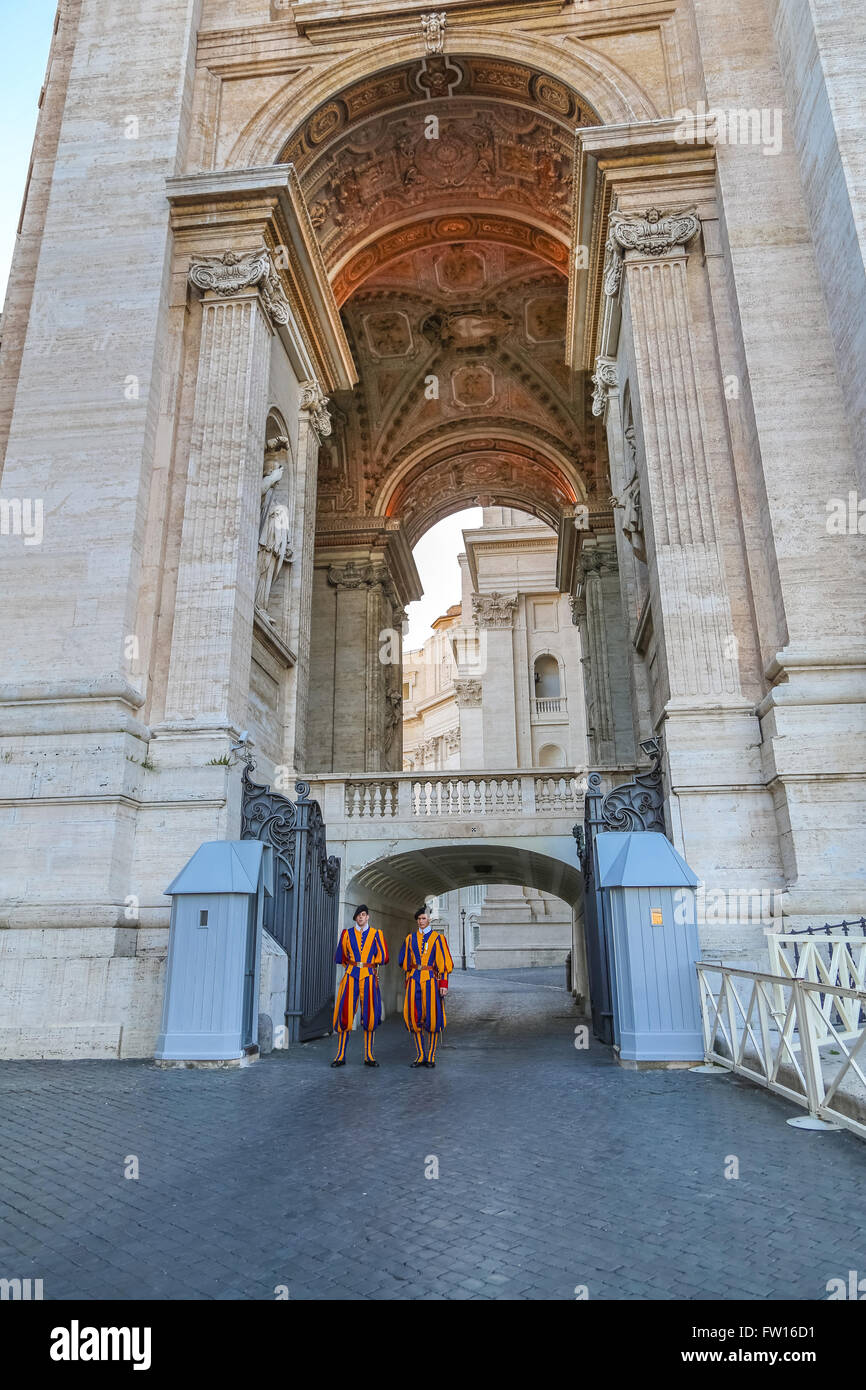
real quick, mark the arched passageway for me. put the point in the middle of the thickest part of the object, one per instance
(395, 885)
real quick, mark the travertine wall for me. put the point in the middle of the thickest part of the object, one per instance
(742, 350)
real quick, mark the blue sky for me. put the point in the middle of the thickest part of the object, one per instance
(25, 38)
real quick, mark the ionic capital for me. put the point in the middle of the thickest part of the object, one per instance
(654, 234)
(353, 575)
(230, 273)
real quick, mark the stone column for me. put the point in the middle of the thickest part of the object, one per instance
(208, 681)
(494, 615)
(597, 611)
(356, 666)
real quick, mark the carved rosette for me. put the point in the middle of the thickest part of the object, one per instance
(654, 234)
(314, 403)
(493, 610)
(604, 381)
(468, 694)
(230, 274)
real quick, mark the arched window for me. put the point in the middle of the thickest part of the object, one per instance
(551, 755)
(547, 681)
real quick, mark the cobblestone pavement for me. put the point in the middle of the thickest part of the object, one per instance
(556, 1169)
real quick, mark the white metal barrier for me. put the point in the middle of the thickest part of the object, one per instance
(771, 1028)
(825, 960)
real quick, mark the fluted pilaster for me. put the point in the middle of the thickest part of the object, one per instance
(208, 680)
(692, 595)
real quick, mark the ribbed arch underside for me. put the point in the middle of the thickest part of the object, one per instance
(406, 878)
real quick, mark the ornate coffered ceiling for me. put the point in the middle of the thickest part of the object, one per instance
(441, 195)
(400, 151)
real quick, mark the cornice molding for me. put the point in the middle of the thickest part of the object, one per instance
(266, 207)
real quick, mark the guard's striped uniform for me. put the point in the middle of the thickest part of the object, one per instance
(359, 951)
(425, 960)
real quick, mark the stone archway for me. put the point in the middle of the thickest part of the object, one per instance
(441, 192)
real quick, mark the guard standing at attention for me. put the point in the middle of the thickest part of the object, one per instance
(362, 950)
(427, 963)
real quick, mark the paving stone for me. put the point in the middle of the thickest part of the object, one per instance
(557, 1169)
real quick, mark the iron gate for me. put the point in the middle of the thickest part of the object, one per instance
(303, 913)
(635, 805)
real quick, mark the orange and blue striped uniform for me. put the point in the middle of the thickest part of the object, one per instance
(359, 951)
(425, 960)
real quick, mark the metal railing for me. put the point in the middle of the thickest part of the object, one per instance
(771, 1029)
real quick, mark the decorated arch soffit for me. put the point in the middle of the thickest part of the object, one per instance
(449, 254)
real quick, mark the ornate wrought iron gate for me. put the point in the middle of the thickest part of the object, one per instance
(303, 913)
(635, 805)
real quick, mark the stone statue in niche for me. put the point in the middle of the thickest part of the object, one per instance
(630, 504)
(274, 549)
(393, 720)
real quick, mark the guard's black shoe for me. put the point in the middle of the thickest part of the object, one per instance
(429, 1064)
(417, 1064)
(337, 1063)
(371, 1064)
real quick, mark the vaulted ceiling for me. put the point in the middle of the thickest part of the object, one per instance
(441, 195)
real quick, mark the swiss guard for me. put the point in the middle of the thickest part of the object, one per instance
(362, 950)
(426, 961)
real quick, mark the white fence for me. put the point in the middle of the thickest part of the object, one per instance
(825, 960)
(772, 1028)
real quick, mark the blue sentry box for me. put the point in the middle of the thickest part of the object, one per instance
(653, 946)
(210, 1013)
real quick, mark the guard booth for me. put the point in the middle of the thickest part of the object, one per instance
(652, 946)
(210, 1012)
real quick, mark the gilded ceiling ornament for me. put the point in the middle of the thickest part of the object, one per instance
(433, 29)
